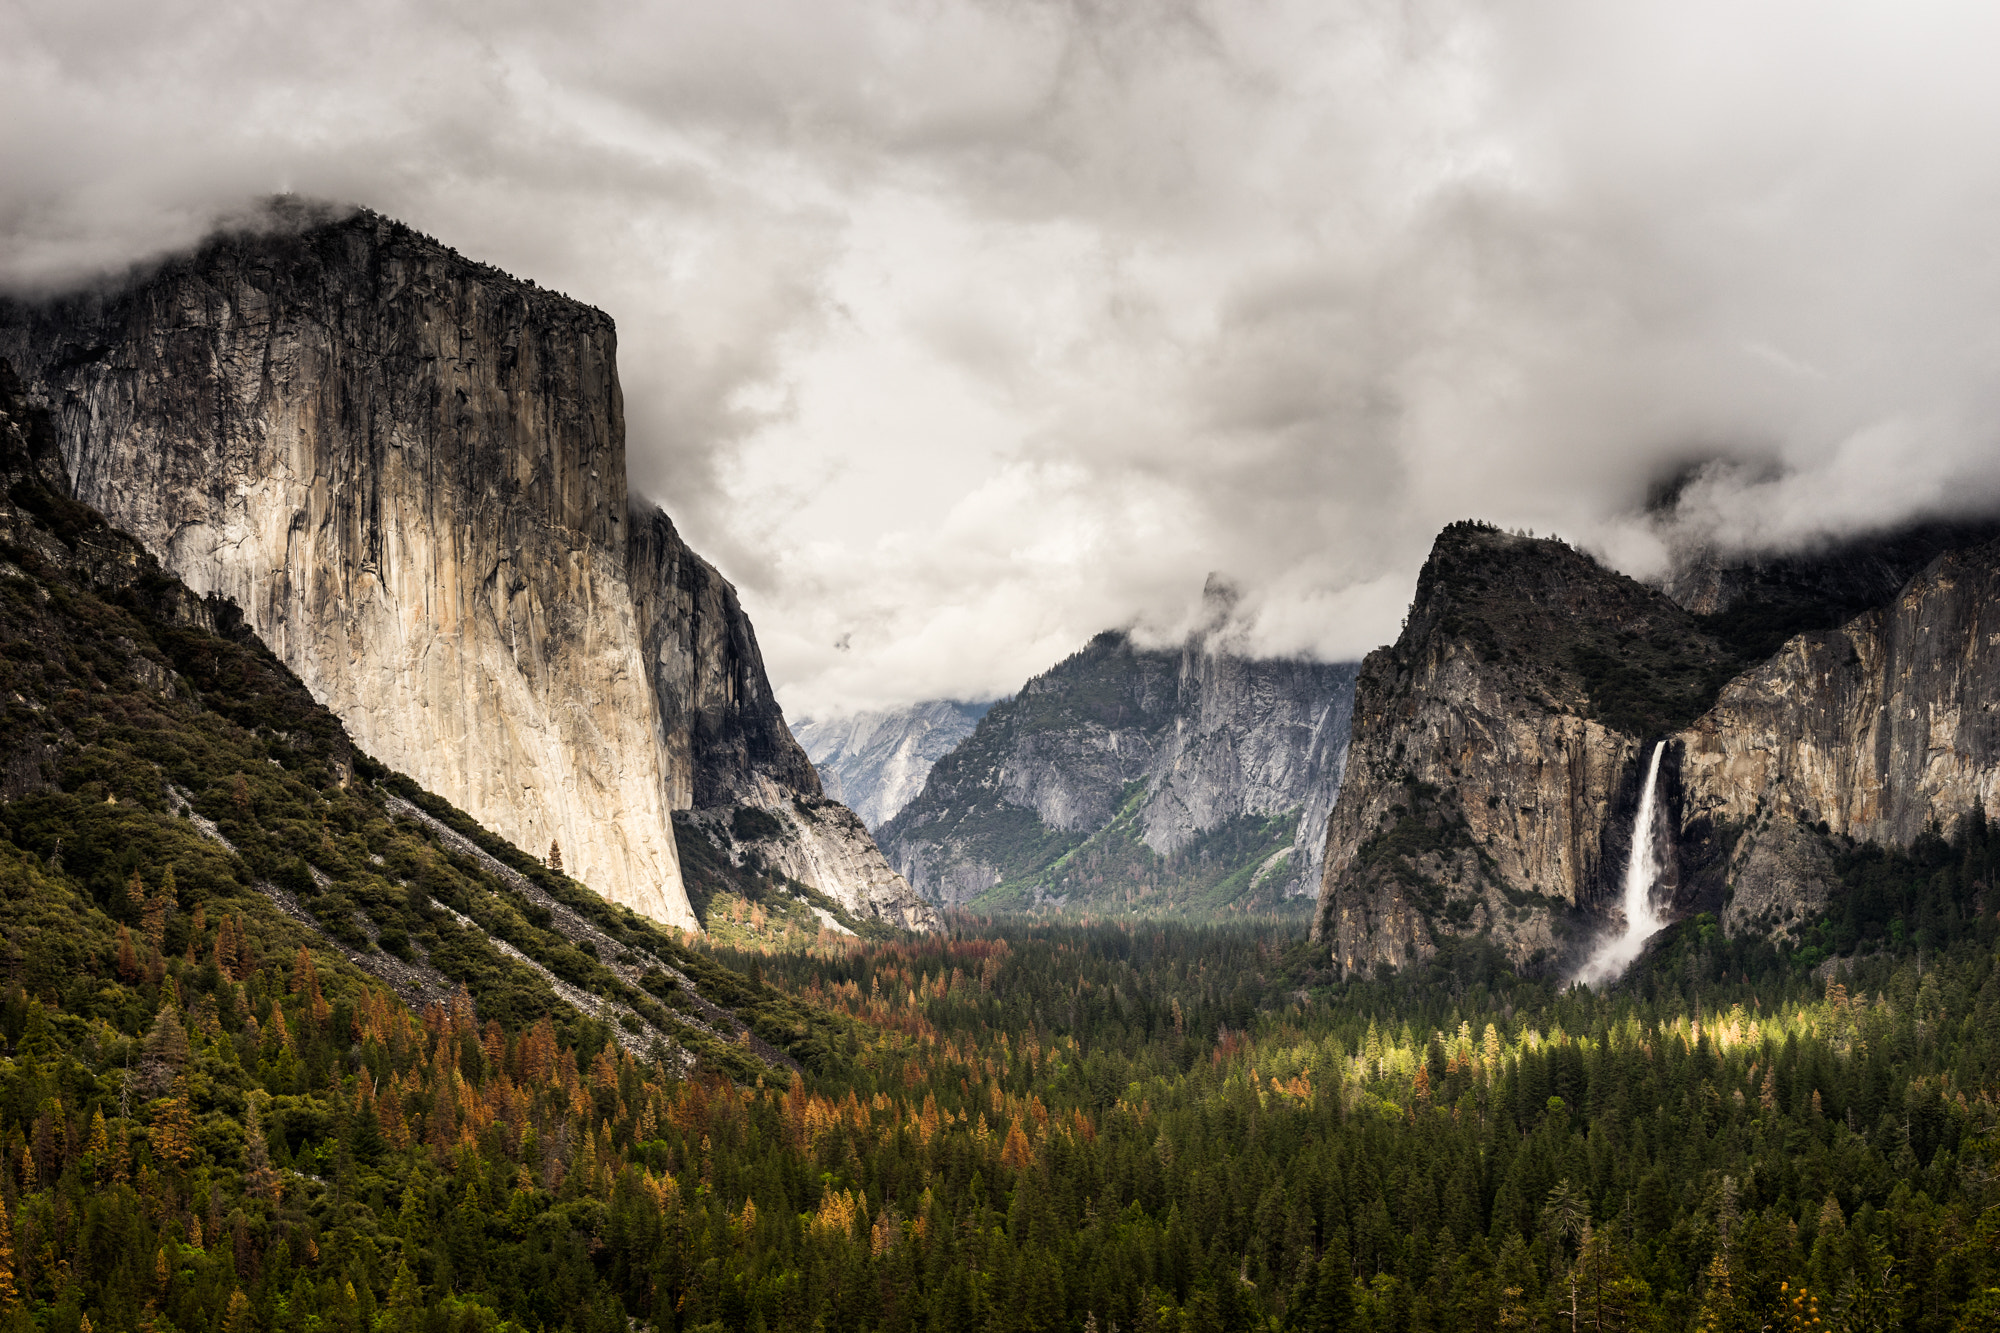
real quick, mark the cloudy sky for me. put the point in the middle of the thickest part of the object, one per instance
(956, 331)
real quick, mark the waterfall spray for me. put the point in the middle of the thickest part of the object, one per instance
(1641, 869)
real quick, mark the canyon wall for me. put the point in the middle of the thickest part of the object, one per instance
(1875, 732)
(1492, 780)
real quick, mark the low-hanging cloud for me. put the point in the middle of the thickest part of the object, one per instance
(955, 331)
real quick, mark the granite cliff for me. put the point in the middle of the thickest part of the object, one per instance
(1494, 749)
(1497, 745)
(408, 469)
(1131, 779)
(1877, 732)
(876, 762)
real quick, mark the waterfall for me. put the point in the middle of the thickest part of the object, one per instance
(1642, 867)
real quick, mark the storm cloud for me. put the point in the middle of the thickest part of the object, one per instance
(957, 331)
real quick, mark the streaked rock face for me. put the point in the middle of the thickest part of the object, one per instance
(1878, 729)
(408, 469)
(1251, 736)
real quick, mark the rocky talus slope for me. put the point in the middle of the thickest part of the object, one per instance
(1498, 745)
(1494, 751)
(876, 762)
(409, 470)
(1135, 780)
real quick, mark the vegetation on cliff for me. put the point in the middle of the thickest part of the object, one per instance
(1566, 633)
(222, 923)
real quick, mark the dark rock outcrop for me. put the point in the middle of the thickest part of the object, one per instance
(727, 744)
(724, 724)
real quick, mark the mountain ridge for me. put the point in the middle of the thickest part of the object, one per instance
(876, 761)
(1127, 779)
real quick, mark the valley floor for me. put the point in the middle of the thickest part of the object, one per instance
(1025, 1127)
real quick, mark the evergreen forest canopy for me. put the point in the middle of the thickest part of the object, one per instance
(1150, 1128)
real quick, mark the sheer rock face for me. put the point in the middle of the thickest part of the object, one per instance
(409, 471)
(1256, 736)
(1782, 878)
(726, 739)
(1213, 737)
(1483, 794)
(877, 762)
(1878, 729)
(1492, 781)
(728, 734)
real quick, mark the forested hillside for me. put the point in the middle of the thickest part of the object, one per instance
(1183, 1128)
(264, 996)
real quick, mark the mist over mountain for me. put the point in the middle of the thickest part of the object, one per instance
(492, 832)
(953, 334)
(876, 763)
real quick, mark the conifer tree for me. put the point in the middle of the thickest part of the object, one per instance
(155, 919)
(405, 1310)
(173, 1126)
(98, 1146)
(1333, 1301)
(259, 1180)
(10, 1294)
